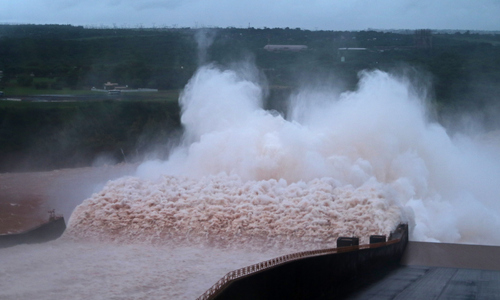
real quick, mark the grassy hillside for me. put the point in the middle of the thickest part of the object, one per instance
(39, 136)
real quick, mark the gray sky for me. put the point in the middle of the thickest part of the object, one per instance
(306, 14)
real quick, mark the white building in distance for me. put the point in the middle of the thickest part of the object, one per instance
(292, 48)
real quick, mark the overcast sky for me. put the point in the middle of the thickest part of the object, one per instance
(306, 14)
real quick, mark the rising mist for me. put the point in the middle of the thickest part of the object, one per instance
(377, 138)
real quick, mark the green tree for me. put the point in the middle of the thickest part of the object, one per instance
(25, 80)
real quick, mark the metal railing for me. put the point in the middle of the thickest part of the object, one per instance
(259, 267)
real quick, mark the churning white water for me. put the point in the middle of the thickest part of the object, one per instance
(352, 163)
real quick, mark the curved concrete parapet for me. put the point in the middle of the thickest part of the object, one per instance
(309, 274)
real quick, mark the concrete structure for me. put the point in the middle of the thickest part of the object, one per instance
(110, 85)
(423, 282)
(318, 274)
(353, 49)
(289, 48)
(344, 53)
(392, 270)
(51, 230)
(452, 256)
(127, 90)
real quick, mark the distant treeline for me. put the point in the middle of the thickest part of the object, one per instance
(48, 135)
(165, 58)
(463, 68)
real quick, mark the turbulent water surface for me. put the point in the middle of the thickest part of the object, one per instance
(340, 163)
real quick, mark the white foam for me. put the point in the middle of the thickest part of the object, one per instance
(242, 173)
(225, 211)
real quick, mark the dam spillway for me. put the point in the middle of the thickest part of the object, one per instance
(310, 274)
(396, 269)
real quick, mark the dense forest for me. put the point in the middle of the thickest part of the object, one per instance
(462, 67)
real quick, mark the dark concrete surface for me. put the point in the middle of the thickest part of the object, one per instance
(320, 276)
(437, 271)
(51, 230)
(452, 256)
(420, 282)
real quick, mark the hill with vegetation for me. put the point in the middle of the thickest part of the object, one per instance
(463, 68)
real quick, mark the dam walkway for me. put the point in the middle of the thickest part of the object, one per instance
(421, 282)
(436, 271)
